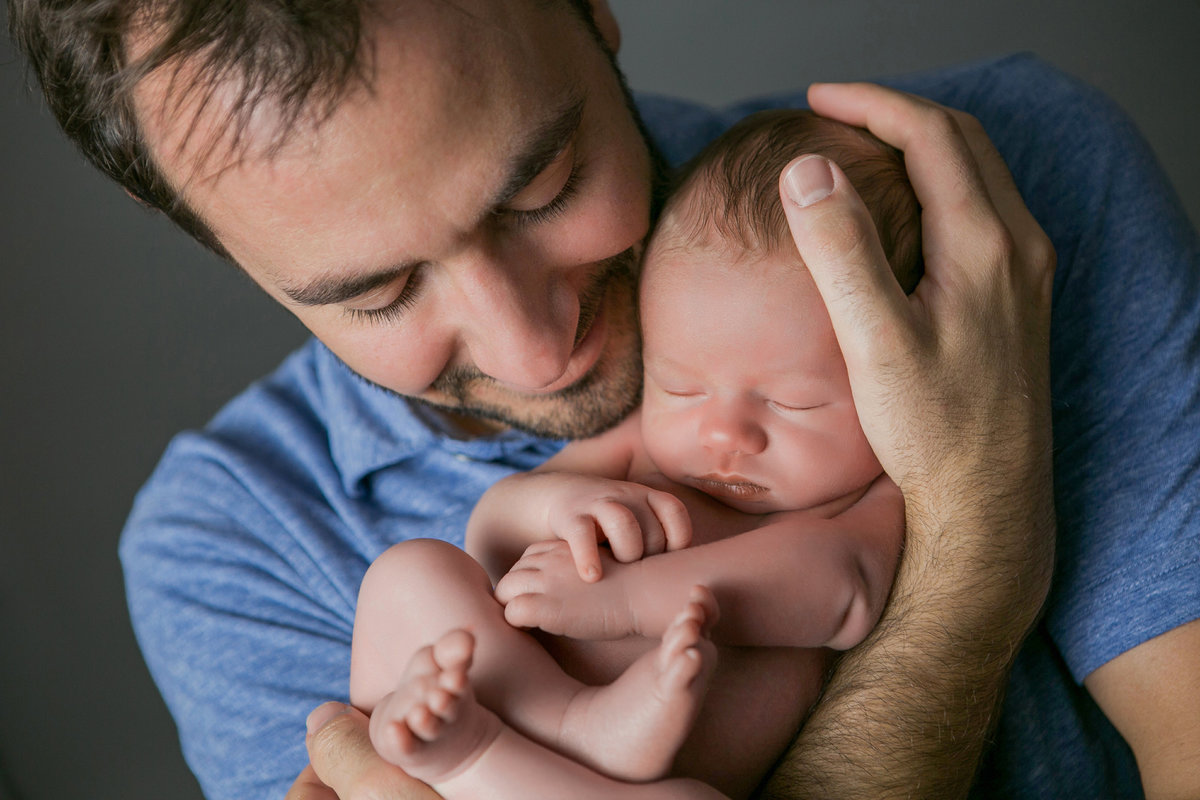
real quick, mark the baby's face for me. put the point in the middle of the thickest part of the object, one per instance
(746, 393)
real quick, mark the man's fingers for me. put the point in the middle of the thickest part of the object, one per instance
(342, 756)
(339, 746)
(945, 172)
(964, 186)
(1028, 235)
(309, 787)
(837, 241)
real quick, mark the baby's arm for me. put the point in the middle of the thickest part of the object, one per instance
(796, 581)
(580, 496)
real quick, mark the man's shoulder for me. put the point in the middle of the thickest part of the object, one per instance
(304, 430)
(1019, 96)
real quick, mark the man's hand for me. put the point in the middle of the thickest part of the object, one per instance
(952, 386)
(543, 591)
(345, 765)
(952, 383)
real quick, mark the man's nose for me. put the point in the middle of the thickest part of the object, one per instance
(731, 427)
(518, 321)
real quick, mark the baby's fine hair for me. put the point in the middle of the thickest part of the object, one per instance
(732, 187)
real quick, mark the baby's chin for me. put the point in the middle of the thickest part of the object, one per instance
(752, 498)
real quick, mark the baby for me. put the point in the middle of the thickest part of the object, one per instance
(685, 575)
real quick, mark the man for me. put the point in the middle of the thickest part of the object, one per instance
(452, 197)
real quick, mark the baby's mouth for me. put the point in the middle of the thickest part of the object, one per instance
(734, 486)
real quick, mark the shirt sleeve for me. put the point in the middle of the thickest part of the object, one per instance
(244, 623)
(1125, 348)
(1125, 370)
(1125, 352)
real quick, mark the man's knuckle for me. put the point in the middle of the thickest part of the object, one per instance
(842, 236)
(991, 243)
(335, 738)
(1002, 243)
(968, 124)
(941, 122)
(376, 782)
(1042, 256)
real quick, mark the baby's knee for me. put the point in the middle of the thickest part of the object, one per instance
(426, 567)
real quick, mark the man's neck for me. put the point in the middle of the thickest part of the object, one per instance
(468, 426)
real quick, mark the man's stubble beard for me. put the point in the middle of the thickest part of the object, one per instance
(604, 396)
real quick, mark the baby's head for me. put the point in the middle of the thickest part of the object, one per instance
(746, 393)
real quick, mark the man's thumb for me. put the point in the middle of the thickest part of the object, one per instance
(837, 241)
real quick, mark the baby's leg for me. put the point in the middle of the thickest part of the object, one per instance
(420, 590)
(434, 729)
(640, 719)
(431, 726)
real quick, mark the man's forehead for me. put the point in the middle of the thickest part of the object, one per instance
(428, 68)
(405, 165)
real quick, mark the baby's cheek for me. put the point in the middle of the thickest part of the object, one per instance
(666, 442)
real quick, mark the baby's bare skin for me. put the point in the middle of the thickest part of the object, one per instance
(757, 696)
(434, 727)
(630, 709)
(745, 471)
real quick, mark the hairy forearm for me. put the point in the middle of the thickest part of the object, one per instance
(907, 712)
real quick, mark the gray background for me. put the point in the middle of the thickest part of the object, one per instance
(118, 332)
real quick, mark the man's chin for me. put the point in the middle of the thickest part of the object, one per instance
(597, 401)
(591, 406)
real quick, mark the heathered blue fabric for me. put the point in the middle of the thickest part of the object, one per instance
(244, 551)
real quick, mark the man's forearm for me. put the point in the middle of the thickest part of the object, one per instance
(952, 386)
(907, 712)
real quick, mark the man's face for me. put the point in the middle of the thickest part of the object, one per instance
(746, 392)
(466, 230)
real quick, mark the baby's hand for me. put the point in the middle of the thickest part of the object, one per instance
(635, 520)
(542, 590)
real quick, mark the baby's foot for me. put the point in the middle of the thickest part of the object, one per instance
(431, 726)
(632, 728)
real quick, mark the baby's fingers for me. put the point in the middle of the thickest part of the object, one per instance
(516, 582)
(582, 536)
(673, 518)
(533, 611)
(624, 532)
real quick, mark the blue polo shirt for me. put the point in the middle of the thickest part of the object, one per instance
(244, 551)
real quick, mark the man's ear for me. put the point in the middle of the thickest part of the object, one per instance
(606, 23)
(139, 200)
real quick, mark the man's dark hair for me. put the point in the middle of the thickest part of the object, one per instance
(299, 55)
(732, 187)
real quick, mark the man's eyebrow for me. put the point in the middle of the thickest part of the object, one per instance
(328, 291)
(541, 147)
